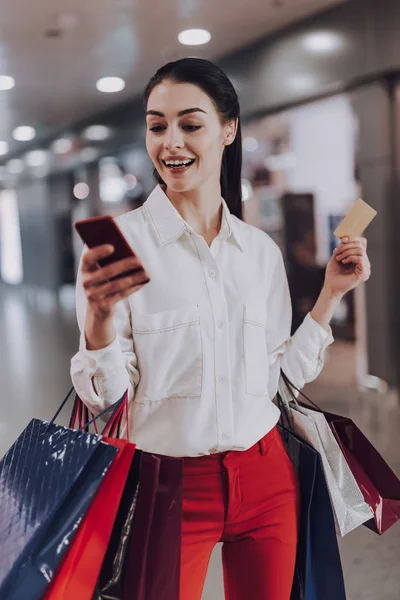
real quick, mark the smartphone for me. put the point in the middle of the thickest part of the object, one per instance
(97, 231)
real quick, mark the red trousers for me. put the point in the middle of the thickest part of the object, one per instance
(249, 502)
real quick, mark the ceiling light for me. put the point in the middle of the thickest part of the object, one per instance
(88, 154)
(15, 166)
(62, 146)
(250, 144)
(3, 148)
(24, 133)
(97, 133)
(81, 190)
(194, 37)
(110, 85)
(6, 82)
(322, 42)
(36, 158)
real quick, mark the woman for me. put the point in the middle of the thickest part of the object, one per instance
(200, 347)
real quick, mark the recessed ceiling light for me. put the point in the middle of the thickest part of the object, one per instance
(6, 82)
(96, 133)
(322, 42)
(81, 190)
(3, 148)
(24, 133)
(36, 158)
(194, 37)
(110, 85)
(62, 146)
(15, 166)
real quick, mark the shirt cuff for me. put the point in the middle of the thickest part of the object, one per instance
(312, 337)
(103, 362)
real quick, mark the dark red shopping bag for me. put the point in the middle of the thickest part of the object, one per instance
(378, 483)
(152, 565)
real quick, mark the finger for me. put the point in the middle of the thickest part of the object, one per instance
(126, 293)
(108, 272)
(351, 252)
(92, 256)
(353, 259)
(118, 285)
(348, 245)
(352, 238)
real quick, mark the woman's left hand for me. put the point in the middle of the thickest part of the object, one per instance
(348, 267)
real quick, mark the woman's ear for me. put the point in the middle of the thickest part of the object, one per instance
(230, 132)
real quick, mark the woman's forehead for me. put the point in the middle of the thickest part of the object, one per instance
(170, 98)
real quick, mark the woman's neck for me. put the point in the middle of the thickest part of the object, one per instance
(201, 208)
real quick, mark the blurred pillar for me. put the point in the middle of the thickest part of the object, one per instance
(378, 114)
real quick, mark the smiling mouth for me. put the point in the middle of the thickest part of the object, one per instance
(178, 165)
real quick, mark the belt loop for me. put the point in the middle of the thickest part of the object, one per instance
(262, 446)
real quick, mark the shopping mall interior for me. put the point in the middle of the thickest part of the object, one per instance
(319, 87)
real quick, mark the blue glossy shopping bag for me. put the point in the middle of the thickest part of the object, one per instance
(48, 480)
(318, 574)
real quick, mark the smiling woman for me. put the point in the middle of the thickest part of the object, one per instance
(200, 347)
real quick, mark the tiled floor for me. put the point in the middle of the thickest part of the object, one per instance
(38, 336)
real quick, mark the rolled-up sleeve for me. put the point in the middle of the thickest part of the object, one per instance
(101, 377)
(301, 356)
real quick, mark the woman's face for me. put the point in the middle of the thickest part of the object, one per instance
(183, 125)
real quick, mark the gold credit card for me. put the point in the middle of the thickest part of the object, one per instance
(356, 221)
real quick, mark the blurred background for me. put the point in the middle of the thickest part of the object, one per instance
(319, 86)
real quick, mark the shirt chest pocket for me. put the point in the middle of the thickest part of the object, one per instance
(255, 350)
(168, 347)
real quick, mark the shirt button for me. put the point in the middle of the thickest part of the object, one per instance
(221, 379)
(212, 273)
(226, 436)
(220, 324)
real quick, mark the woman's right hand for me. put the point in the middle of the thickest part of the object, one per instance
(103, 295)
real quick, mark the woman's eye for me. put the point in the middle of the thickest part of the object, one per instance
(191, 127)
(156, 128)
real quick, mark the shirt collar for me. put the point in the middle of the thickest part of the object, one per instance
(168, 225)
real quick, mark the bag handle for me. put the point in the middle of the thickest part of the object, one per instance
(290, 386)
(80, 409)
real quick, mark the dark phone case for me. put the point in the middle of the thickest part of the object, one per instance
(97, 231)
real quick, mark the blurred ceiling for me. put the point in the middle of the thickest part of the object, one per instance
(57, 49)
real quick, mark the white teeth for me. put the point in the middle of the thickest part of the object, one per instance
(178, 162)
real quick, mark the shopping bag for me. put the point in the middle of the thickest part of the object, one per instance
(378, 483)
(48, 480)
(349, 507)
(318, 572)
(134, 576)
(80, 569)
(109, 584)
(152, 567)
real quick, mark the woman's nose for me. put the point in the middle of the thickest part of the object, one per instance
(173, 138)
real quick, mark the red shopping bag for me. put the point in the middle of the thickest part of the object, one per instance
(77, 576)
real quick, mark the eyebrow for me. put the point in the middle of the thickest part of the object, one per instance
(187, 111)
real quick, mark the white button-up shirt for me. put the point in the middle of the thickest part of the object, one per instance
(200, 347)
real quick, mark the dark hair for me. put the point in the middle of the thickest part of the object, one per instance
(213, 81)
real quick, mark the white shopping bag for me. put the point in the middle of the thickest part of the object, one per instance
(349, 508)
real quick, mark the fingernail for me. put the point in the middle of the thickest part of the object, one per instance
(345, 239)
